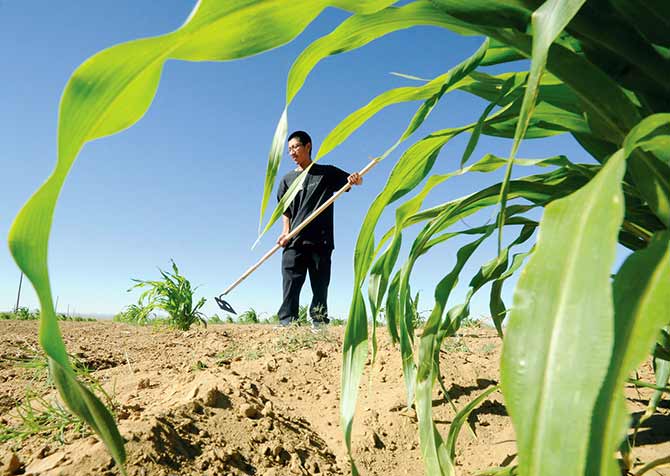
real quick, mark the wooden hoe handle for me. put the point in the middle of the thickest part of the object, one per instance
(298, 228)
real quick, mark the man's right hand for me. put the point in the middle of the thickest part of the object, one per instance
(282, 241)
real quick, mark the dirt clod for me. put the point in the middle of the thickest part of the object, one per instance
(9, 463)
(216, 399)
(250, 410)
(374, 440)
(267, 410)
(45, 464)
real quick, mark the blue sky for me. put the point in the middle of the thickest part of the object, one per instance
(185, 182)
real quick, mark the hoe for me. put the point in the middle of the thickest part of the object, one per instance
(227, 307)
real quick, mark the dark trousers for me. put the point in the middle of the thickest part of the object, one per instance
(296, 263)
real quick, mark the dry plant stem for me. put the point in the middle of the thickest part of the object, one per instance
(128, 361)
(665, 461)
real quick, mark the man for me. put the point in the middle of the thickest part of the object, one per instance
(309, 251)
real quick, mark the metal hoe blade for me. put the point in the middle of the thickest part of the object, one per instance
(224, 305)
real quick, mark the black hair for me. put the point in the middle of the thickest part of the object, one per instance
(302, 136)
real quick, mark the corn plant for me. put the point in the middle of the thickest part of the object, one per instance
(576, 328)
(250, 316)
(135, 314)
(24, 314)
(174, 295)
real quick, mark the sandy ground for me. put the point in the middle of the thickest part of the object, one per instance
(235, 399)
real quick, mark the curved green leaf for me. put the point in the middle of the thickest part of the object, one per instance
(547, 22)
(108, 93)
(641, 292)
(496, 304)
(650, 17)
(437, 457)
(508, 87)
(462, 416)
(662, 372)
(550, 389)
(359, 30)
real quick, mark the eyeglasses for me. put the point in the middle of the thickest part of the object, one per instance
(292, 148)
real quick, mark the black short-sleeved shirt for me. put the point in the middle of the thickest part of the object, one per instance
(321, 182)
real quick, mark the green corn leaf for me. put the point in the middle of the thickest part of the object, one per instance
(650, 17)
(661, 371)
(404, 177)
(382, 269)
(509, 86)
(548, 22)
(615, 46)
(357, 31)
(490, 271)
(406, 332)
(285, 200)
(610, 112)
(354, 352)
(420, 246)
(274, 159)
(108, 93)
(480, 14)
(496, 304)
(377, 285)
(218, 31)
(450, 79)
(435, 88)
(511, 220)
(555, 110)
(500, 471)
(647, 144)
(88, 407)
(392, 308)
(499, 53)
(461, 418)
(434, 143)
(436, 456)
(539, 190)
(413, 166)
(611, 115)
(550, 390)
(598, 94)
(641, 292)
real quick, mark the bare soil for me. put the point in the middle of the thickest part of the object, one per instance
(236, 399)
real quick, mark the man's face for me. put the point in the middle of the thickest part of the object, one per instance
(299, 153)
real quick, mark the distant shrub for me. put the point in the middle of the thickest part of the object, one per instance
(21, 314)
(215, 319)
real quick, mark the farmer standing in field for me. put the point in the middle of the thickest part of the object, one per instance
(309, 251)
